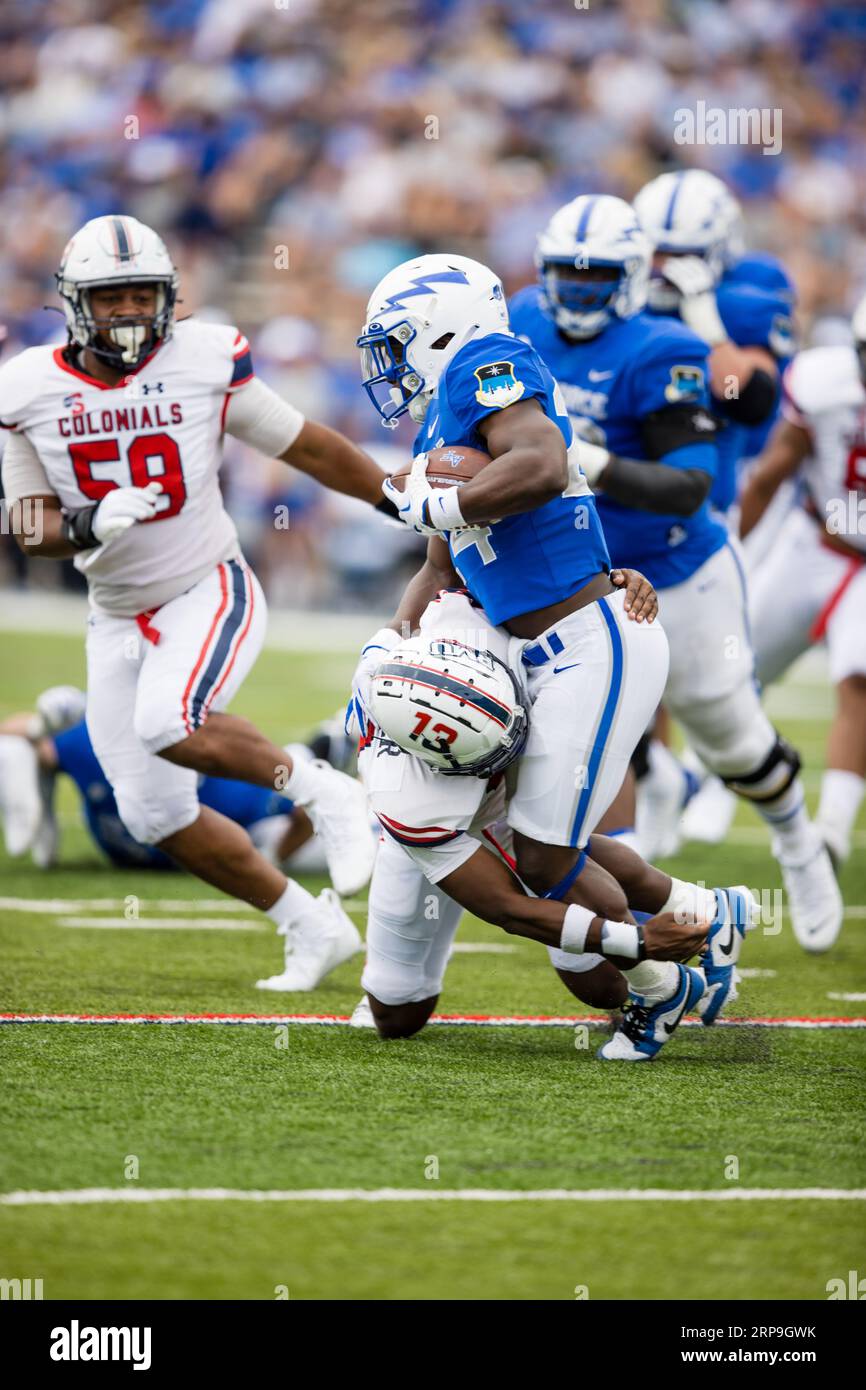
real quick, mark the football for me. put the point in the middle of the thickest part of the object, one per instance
(447, 467)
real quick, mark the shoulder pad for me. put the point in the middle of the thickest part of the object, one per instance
(824, 378)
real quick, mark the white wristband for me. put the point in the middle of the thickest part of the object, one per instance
(445, 513)
(620, 939)
(577, 923)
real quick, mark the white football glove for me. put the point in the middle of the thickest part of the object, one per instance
(429, 511)
(372, 655)
(122, 508)
(693, 278)
(591, 459)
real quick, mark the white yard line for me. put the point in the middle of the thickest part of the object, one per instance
(90, 1195)
(65, 906)
(162, 923)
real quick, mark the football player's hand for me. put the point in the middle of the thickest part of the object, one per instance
(372, 656)
(122, 508)
(641, 600)
(665, 938)
(420, 506)
(592, 460)
(693, 278)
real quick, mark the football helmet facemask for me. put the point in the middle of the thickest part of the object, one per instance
(598, 234)
(109, 252)
(418, 317)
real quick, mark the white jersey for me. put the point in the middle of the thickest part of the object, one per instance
(164, 422)
(825, 395)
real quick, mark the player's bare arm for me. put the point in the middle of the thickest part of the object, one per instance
(529, 465)
(788, 446)
(485, 886)
(335, 462)
(436, 573)
(49, 539)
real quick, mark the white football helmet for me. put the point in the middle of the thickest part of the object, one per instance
(418, 318)
(454, 707)
(116, 250)
(689, 213)
(589, 233)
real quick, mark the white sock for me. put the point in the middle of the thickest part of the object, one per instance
(292, 903)
(301, 786)
(654, 980)
(841, 795)
(690, 900)
(789, 819)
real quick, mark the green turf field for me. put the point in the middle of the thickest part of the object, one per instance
(215, 1107)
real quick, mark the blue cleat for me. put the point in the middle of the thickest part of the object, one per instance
(736, 913)
(645, 1028)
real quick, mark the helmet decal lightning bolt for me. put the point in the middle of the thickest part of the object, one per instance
(422, 285)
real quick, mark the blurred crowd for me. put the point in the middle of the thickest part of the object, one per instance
(292, 151)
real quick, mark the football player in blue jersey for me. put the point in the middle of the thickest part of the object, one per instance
(742, 305)
(523, 537)
(638, 387)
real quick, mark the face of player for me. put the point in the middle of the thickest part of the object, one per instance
(112, 305)
(584, 288)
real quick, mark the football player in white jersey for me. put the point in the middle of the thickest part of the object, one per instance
(446, 842)
(812, 585)
(113, 458)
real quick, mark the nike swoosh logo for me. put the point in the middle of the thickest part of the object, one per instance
(557, 669)
(727, 950)
(599, 376)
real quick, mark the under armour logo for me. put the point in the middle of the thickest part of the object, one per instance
(152, 386)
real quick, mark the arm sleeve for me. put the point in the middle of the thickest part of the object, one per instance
(259, 417)
(23, 474)
(672, 402)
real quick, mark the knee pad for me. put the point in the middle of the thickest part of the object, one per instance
(731, 735)
(771, 778)
(149, 822)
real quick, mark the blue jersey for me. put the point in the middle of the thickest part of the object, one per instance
(617, 387)
(533, 559)
(756, 300)
(240, 801)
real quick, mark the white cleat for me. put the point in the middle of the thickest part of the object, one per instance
(814, 900)
(342, 821)
(20, 804)
(316, 944)
(708, 815)
(46, 841)
(660, 797)
(362, 1015)
(837, 842)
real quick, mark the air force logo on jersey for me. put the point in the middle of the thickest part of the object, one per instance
(686, 384)
(497, 385)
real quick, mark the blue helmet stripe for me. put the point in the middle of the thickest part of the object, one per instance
(124, 250)
(583, 224)
(669, 215)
